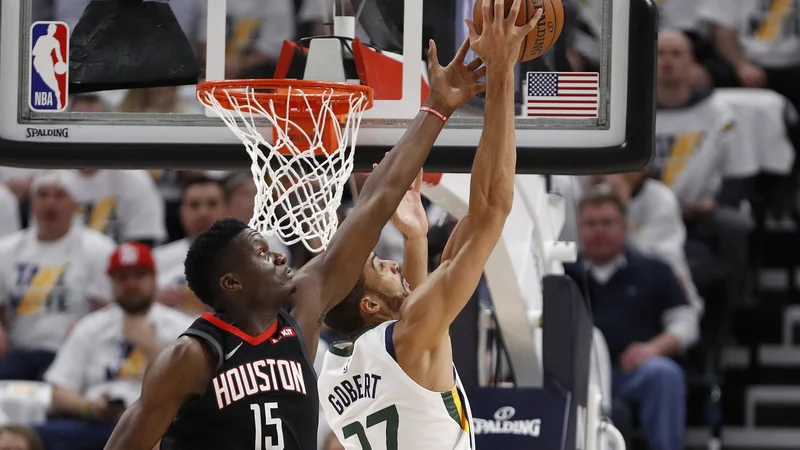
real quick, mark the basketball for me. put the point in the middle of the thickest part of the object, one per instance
(60, 68)
(546, 32)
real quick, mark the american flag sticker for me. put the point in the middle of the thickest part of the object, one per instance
(570, 95)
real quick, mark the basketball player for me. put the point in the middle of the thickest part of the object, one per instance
(392, 386)
(243, 377)
(43, 60)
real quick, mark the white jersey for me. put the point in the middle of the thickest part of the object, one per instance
(370, 402)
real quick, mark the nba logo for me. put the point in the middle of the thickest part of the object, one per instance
(49, 66)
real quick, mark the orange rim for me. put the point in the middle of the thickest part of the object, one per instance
(234, 95)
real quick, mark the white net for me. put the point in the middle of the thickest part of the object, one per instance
(299, 182)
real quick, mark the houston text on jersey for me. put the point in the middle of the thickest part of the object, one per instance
(259, 376)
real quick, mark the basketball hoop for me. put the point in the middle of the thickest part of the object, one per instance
(299, 175)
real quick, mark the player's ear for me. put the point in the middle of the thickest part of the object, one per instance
(229, 283)
(369, 306)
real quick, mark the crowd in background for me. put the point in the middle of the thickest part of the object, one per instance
(656, 245)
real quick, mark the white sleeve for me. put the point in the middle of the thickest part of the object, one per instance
(141, 207)
(663, 233)
(10, 220)
(67, 370)
(277, 25)
(739, 160)
(720, 12)
(98, 253)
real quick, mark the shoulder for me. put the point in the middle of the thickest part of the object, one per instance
(10, 242)
(183, 368)
(648, 264)
(657, 193)
(188, 354)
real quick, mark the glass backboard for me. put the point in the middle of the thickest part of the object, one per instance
(50, 119)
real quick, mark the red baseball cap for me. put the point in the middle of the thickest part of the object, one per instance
(131, 255)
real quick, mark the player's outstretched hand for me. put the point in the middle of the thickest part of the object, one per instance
(456, 83)
(499, 41)
(410, 217)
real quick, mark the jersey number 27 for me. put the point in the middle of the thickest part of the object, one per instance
(267, 443)
(388, 415)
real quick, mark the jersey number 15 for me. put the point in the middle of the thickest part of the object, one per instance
(267, 443)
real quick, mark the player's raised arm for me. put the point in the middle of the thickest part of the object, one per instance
(411, 219)
(431, 309)
(181, 371)
(328, 278)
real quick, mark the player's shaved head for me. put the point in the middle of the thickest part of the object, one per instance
(209, 257)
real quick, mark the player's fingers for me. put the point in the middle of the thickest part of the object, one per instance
(480, 73)
(514, 11)
(488, 17)
(462, 51)
(499, 9)
(433, 55)
(531, 25)
(473, 31)
(374, 166)
(481, 88)
(475, 64)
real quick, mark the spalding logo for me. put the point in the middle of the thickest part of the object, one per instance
(505, 413)
(503, 425)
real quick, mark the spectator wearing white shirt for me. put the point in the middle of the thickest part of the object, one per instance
(122, 204)
(699, 149)
(51, 275)
(202, 204)
(760, 40)
(99, 370)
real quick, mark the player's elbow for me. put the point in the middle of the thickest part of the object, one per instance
(500, 203)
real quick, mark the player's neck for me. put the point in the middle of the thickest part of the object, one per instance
(253, 321)
(673, 96)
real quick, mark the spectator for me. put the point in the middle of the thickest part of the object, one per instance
(99, 370)
(202, 204)
(697, 148)
(642, 311)
(240, 193)
(122, 204)
(51, 275)
(760, 40)
(655, 225)
(17, 437)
